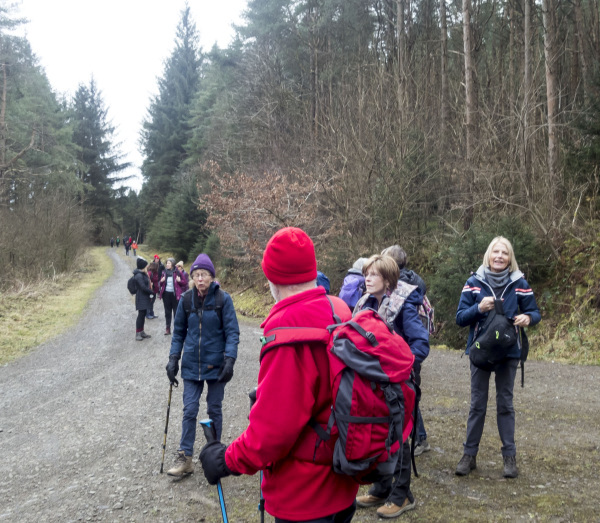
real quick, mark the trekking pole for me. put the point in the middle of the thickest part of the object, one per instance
(210, 434)
(261, 504)
(162, 463)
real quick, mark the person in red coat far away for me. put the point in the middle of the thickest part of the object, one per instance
(299, 483)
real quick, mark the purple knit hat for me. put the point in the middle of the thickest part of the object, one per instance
(203, 262)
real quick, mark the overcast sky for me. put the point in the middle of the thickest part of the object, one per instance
(123, 44)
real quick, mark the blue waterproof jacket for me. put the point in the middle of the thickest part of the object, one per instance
(518, 299)
(204, 340)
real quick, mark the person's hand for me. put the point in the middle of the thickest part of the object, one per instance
(163, 278)
(212, 458)
(173, 368)
(178, 279)
(486, 305)
(226, 370)
(522, 320)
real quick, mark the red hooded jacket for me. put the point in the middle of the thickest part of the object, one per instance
(293, 387)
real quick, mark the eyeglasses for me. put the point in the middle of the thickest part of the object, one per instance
(201, 274)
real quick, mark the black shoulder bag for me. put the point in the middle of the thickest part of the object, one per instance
(493, 339)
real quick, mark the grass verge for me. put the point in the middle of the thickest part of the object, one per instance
(35, 312)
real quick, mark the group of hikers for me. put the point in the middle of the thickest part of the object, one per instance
(294, 431)
(128, 242)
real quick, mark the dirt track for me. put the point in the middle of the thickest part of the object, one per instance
(82, 421)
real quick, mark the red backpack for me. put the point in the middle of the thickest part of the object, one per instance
(373, 395)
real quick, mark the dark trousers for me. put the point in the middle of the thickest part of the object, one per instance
(421, 432)
(170, 304)
(139, 322)
(396, 488)
(343, 516)
(192, 390)
(505, 413)
(150, 311)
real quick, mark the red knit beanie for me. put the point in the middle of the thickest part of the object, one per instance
(289, 257)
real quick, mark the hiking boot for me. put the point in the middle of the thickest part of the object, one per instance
(422, 446)
(138, 336)
(510, 467)
(465, 465)
(144, 335)
(391, 510)
(183, 466)
(369, 501)
(167, 331)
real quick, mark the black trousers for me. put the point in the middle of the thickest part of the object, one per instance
(170, 304)
(139, 322)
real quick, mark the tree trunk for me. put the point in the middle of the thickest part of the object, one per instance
(551, 55)
(528, 108)
(3, 123)
(512, 102)
(471, 111)
(580, 34)
(444, 75)
(401, 80)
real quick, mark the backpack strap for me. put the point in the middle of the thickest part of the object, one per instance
(188, 302)
(218, 306)
(189, 306)
(524, 353)
(292, 336)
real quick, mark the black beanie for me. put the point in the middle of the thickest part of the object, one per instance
(141, 263)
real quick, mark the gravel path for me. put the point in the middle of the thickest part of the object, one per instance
(82, 421)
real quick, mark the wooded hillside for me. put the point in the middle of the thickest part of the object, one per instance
(433, 124)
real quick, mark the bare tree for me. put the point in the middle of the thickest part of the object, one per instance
(470, 106)
(551, 60)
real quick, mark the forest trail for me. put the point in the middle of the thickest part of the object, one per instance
(82, 420)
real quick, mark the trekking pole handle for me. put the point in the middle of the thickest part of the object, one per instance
(210, 433)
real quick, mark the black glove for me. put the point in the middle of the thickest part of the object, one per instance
(252, 396)
(212, 457)
(173, 368)
(226, 370)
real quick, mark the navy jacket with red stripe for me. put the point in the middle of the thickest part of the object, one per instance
(518, 299)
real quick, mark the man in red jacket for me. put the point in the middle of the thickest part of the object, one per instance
(299, 483)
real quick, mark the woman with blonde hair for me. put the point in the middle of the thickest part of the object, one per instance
(497, 280)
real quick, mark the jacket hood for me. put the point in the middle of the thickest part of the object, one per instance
(355, 271)
(412, 278)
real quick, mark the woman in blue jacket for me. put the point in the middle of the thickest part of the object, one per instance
(498, 278)
(206, 331)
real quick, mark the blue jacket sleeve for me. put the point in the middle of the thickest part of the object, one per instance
(468, 308)
(231, 328)
(180, 326)
(527, 303)
(409, 325)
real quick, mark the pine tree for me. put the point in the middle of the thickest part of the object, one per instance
(167, 129)
(97, 163)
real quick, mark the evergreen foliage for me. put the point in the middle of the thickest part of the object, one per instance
(167, 130)
(180, 224)
(97, 164)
